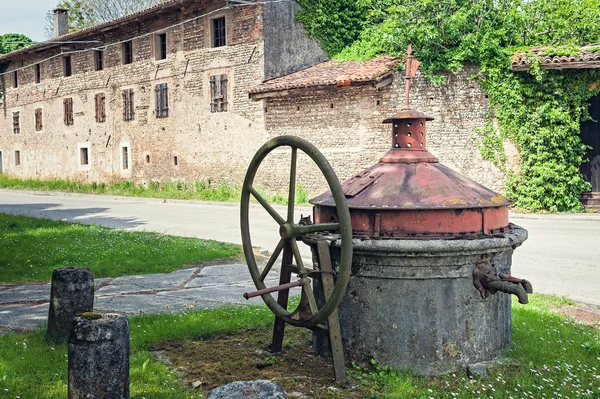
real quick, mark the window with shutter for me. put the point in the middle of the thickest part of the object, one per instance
(128, 106)
(16, 123)
(162, 100)
(218, 93)
(100, 102)
(38, 120)
(68, 111)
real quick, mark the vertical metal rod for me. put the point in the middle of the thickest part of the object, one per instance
(407, 77)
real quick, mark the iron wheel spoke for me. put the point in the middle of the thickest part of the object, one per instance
(292, 192)
(267, 207)
(272, 260)
(298, 258)
(310, 295)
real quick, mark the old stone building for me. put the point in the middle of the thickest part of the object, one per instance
(340, 107)
(161, 94)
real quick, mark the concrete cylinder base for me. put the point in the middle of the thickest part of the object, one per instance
(99, 357)
(411, 304)
(72, 293)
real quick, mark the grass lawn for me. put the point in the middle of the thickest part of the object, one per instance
(31, 248)
(553, 357)
(203, 190)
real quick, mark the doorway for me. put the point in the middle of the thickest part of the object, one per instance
(590, 135)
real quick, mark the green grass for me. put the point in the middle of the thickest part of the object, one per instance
(31, 248)
(555, 359)
(204, 190)
(34, 369)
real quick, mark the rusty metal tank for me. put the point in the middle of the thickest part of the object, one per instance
(421, 234)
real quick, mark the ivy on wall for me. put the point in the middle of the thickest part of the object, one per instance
(539, 111)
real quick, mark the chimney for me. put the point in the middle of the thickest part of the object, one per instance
(61, 21)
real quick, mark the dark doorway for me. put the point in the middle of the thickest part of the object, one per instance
(590, 135)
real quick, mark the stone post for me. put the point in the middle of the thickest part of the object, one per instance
(99, 357)
(72, 293)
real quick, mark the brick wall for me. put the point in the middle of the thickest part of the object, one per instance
(206, 144)
(345, 123)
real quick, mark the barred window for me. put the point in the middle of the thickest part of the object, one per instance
(17, 122)
(17, 158)
(67, 68)
(38, 120)
(127, 52)
(219, 32)
(100, 103)
(162, 100)
(218, 93)
(38, 73)
(99, 60)
(128, 105)
(68, 111)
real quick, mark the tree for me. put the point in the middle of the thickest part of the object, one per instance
(10, 42)
(6, 47)
(84, 13)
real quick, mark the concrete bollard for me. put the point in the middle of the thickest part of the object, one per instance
(99, 357)
(72, 293)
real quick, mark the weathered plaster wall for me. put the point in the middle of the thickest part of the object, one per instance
(345, 123)
(287, 47)
(216, 145)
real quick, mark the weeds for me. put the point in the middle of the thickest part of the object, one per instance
(203, 190)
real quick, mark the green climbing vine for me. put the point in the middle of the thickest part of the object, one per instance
(538, 111)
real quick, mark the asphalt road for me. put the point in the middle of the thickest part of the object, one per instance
(560, 257)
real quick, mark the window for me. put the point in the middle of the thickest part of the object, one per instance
(68, 111)
(218, 93)
(38, 73)
(16, 79)
(160, 46)
(147, 158)
(16, 122)
(219, 32)
(38, 120)
(128, 106)
(175, 160)
(125, 151)
(17, 158)
(99, 60)
(162, 100)
(68, 71)
(84, 156)
(100, 105)
(127, 50)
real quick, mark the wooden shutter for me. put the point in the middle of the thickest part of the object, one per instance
(38, 120)
(223, 93)
(100, 107)
(165, 98)
(213, 93)
(131, 106)
(68, 109)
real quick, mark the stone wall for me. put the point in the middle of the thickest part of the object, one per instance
(345, 123)
(206, 144)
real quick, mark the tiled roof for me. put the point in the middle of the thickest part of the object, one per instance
(86, 32)
(587, 57)
(332, 73)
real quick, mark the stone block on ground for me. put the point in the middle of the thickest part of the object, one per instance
(258, 389)
(99, 357)
(72, 293)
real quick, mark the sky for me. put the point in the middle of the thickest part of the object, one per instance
(25, 16)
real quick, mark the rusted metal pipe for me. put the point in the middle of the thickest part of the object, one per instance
(282, 287)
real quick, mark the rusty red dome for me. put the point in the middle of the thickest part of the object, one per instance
(410, 194)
